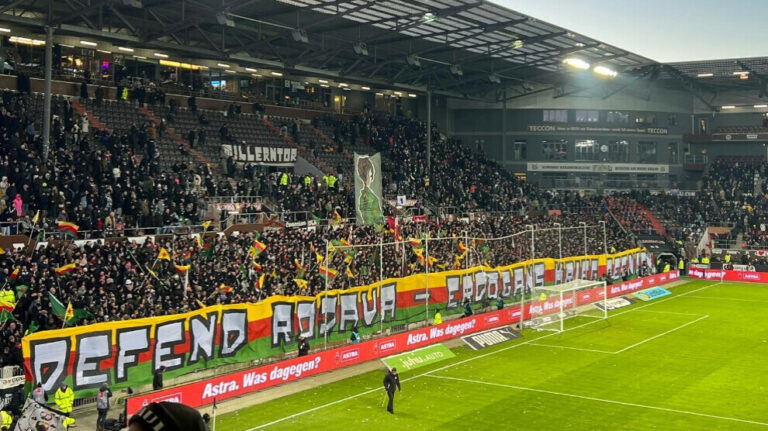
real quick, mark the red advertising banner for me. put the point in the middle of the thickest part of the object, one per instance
(198, 394)
(726, 275)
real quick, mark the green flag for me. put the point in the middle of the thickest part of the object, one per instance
(33, 327)
(57, 307)
(6, 315)
(21, 290)
(60, 310)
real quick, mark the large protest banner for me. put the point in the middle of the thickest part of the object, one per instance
(368, 195)
(126, 353)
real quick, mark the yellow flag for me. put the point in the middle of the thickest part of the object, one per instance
(200, 241)
(70, 313)
(349, 273)
(260, 284)
(36, 217)
(2, 251)
(164, 254)
(301, 283)
(206, 224)
(319, 257)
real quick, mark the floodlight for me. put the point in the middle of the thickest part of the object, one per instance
(605, 71)
(576, 63)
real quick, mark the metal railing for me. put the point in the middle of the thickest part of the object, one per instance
(698, 159)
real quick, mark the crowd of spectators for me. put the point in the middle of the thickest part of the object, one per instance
(110, 182)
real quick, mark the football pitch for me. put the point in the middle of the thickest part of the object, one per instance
(694, 360)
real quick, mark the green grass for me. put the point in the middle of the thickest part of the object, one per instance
(658, 365)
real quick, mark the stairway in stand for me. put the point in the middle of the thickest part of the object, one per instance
(178, 139)
(302, 151)
(92, 119)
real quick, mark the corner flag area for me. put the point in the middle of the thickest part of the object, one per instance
(687, 361)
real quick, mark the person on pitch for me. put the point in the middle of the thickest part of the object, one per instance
(391, 380)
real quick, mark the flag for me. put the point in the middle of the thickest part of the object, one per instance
(15, 274)
(206, 224)
(6, 306)
(33, 327)
(419, 252)
(349, 273)
(153, 273)
(182, 269)
(253, 251)
(328, 272)
(348, 259)
(319, 257)
(70, 312)
(297, 264)
(301, 283)
(36, 218)
(260, 246)
(223, 288)
(200, 241)
(257, 266)
(21, 290)
(56, 306)
(200, 303)
(65, 269)
(6, 315)
(432, 260)
(164, 255)
(331, 248)
(260, 281)
(336, 218)
(2, 251)
(414, 241)
(68, 228)
(462, 248)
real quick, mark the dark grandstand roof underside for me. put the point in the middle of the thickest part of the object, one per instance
(480, 37)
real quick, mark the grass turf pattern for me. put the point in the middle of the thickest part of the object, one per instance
(690, 361)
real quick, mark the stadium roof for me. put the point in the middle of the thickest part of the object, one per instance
(458, 47)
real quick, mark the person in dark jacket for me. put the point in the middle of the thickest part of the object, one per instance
(166, 416)
(303, 346)
(391, 380)
(157, 381)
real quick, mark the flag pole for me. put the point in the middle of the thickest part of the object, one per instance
(426, 272)
(325, 297)
(381, 280)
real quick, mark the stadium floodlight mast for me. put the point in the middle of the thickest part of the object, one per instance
(582, 224)
(559, 239)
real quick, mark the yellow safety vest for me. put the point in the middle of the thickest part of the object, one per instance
(695, 260)
(438, 319)
(7, 419)
(284, 180)
(667, 268)
(704, 260)
(332, 181)
(727, 258)
(681, 264)
(65, 399)
(7, 295)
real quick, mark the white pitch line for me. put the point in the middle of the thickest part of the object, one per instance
(673, 312)
(722, 298)
(573, 348)
(602, 400)
(475, 358)
(662, 334)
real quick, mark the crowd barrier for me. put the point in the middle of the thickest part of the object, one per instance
(204, 392)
